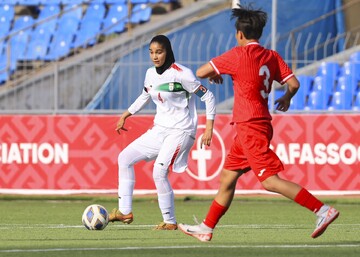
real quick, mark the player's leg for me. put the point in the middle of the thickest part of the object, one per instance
(326, 214)
(165, 195)
(174, 152)
(235, 165)
(223, 198)
(143, 148)
(218, 207)
(266, 165)
(126, 181)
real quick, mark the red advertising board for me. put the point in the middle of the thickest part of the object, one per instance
(78, 154)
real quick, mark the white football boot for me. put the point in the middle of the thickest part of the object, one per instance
(200, 232)
(326, 215)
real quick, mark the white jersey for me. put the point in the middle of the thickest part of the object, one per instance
(173, 94)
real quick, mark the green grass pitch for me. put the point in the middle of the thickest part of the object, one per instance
(253, 226)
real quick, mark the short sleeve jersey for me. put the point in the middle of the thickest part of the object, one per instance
(252, 69)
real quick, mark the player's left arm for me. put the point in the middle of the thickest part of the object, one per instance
(194, 86)
(208, 71)
(283, 103)
(208, 97)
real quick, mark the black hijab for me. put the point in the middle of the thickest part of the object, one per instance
(170, 59)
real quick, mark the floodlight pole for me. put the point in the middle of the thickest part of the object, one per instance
(273, 24)
(273, 45)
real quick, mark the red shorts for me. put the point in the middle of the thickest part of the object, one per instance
(250, 150)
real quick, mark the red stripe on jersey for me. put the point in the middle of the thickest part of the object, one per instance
(252, 69)
(174, 66)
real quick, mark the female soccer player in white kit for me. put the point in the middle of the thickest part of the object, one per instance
(172, 87)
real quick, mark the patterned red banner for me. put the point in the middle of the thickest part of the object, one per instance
(79, 153)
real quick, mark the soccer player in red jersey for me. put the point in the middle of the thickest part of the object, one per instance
(253, 69)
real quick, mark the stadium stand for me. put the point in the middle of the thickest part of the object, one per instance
(27, 2)
(36, 50)
(63, 27)
(86, 35)
(94, 11)
(116, 19)
(298, 102)
(356, 106)
(60, 46)
(140, 13)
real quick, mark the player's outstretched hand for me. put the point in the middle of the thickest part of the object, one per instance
(282, 104)
(217, 79)
(206, 138)
(120, 125)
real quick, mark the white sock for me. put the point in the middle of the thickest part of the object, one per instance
(165, 194)
(126, 189)
(167, 207)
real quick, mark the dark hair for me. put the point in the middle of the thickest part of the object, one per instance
(250, 22)
(170, 59)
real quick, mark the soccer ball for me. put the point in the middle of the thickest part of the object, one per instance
(95, 217)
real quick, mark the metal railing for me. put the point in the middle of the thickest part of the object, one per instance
(68, 86)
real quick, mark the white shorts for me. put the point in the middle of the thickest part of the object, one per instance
(170, 147)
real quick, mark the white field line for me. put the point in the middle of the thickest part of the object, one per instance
(167, 247)
(239, 226)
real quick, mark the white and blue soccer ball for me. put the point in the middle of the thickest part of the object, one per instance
(95, 217)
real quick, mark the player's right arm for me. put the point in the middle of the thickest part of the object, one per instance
(283, 103)
(135, 107)
(121, 122)
(207, 71)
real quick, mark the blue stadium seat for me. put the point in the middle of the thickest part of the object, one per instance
(7, 10)
(98, 2)
(2, 46)
(36, 50)
(345, 85)
(139, 1)
(299, 100)
(3, 72)
(115, 1)
(356, 105)
(316, 101)
(86, 36)
(94, 11)
(9, 2)
(17, 51)
(48, 10)
(47, 28)
(5, 24)
(22, 22)
(42, 33)
(140, 13)
(21, 36)
(60, 46)
(355, 57)
(67, 24)
(328, 71)
(340, 101)
(73, 10)
(69, 2)
(50, 2)
(115, 19)
(28, 2)
(351, 74)
(48, 13)
(323, 86)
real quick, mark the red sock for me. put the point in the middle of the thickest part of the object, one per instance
(304, 198)
(215, 212)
